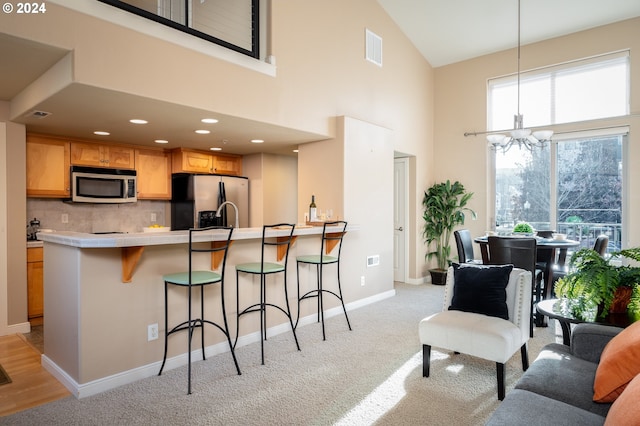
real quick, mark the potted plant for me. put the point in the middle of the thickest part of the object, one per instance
(444, 208)
(595, 283)
(523, 228)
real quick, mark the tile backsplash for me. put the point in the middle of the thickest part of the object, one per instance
(81, 217)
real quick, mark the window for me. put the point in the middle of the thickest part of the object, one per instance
(575, 184)
(579, 193)
(578, 91)
(232, 24)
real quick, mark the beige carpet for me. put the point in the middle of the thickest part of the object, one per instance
(371, 375)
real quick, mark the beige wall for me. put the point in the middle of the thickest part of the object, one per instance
(273, 188)
(13, 211)
(462, 106)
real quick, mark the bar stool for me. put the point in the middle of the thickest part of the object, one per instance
(280, 238)
(331, 241)
(218, 250)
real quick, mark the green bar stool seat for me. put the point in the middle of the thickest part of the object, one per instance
(200, 241)
(330, 248)
(275, 238)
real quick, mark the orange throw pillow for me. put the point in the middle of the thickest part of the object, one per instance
(626, 410)
(619, 364)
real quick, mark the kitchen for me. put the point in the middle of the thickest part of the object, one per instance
(76, 258)
(346, 162)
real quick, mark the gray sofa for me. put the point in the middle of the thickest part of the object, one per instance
(557, 388)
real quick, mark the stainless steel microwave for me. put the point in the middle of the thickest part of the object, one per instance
(98, 185)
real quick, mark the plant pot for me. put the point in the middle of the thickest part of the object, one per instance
(438, 276)
(621, 300)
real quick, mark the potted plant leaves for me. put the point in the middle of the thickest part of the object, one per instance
(523, 228)
(596, 283)
(444, 208)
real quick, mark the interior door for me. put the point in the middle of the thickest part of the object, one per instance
(400, 171)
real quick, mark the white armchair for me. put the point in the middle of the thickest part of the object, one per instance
(481, 335)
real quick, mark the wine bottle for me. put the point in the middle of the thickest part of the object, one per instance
(312, 210)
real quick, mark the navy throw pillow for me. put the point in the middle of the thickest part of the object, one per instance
(481, 289)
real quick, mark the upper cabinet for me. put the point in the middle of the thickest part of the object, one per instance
(47, 167)
(192, 161)
(49, 159)
(154, 174)
(97, 155)
(227, 164)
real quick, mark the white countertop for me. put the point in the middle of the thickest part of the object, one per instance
(85, 240)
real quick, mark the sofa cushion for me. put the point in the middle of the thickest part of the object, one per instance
(626, 410)
(619, 363)
(481, 290)
(524, 407)
(560, 375)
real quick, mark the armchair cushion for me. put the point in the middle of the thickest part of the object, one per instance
(618, 364)
(481, 289)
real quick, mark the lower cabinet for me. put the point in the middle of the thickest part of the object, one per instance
(35, 293)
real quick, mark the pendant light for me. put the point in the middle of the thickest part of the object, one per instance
(519, 135)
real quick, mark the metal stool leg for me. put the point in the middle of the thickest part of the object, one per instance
(166, 329)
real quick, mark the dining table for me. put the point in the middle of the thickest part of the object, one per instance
(550, 252)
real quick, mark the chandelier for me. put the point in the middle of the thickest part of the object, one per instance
(519, 135)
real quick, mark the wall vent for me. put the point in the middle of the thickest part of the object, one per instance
(373, 260)
(373, 47)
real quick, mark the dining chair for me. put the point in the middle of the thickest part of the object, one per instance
(464, 244)
(560, 268)
(521, 253)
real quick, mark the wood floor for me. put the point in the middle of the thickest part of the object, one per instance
(31, 384)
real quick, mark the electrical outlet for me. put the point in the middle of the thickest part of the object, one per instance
(152, 332)
(153, 217)
(362, 280)
(65, 218)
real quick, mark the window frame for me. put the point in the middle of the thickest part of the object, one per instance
(255, 24)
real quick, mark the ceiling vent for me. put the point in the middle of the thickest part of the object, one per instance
(373, 48)
(39, 114)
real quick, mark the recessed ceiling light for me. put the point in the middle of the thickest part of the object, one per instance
(101, 133)
(257, 141)
(203, 132)
(161, 141)
(138, 121)
(209, 120)
(295, 150)
(215, 148)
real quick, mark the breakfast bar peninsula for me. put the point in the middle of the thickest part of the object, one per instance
(102, 292)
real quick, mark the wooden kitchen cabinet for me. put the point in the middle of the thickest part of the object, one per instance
(227, 165)
(193, 161)
(98, 155)
(154, 174)
(35, 280)
(47, 167)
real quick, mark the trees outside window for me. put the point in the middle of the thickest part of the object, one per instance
(579, 194)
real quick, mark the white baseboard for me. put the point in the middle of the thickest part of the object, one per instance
(23, 327)
(418, 281)
(83, 390)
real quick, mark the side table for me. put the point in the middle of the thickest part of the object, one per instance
(560, 309)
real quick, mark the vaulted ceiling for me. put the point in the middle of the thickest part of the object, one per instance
(444, 31)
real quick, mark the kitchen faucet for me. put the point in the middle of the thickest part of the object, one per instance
(237, 225)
